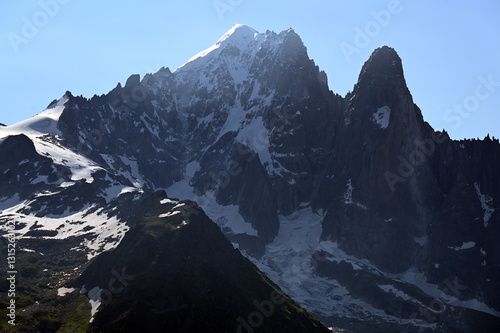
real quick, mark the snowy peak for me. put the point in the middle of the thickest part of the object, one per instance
(244, 42)
(237, 33)
(238, 36)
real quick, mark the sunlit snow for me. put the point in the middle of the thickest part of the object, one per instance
(64, 291)
(382, 116)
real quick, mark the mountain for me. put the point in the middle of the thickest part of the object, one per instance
(354, 206)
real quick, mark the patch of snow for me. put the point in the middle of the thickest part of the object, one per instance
(348, 193)
(95, 301)
(179, 205)
(348, 196)
(287, 260)
(256, 136)
(169, 214)
(464, 246)
(335, 254)
(419, 280)
(167, 201)
(192, 168)
(133, 173)
(398, 293)
(153, 129)
(7, 202)
(486, 204)
(110, 160)
(125, 190)
(206, 119)
(64, 291)
(40, 179)
(108, 234)
(234, 120)
(228, 217)
(115, 189)
(382, 117)
(474, 304)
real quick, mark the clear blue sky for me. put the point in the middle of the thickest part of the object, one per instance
(449, 48)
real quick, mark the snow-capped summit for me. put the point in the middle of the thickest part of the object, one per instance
(238, 32)
(238, 36)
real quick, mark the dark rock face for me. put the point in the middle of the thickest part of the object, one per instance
(23, 170)
(376, 221)
(463, 232)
